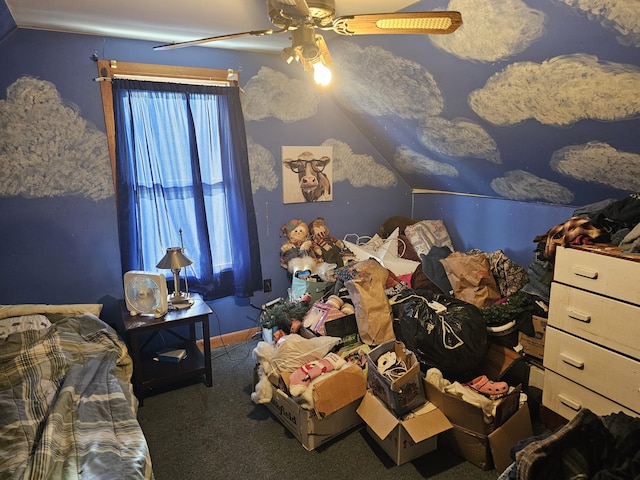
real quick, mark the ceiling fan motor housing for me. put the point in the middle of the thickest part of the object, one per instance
(321, 9)
(320, 13)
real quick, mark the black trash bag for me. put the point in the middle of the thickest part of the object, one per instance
(443, 332)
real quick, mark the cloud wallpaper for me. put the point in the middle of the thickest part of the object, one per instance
(529, 100)
(47, 149)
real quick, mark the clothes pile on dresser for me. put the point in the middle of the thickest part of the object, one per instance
(612, 221)
(589, 446)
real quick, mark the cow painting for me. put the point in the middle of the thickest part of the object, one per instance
(312, 181)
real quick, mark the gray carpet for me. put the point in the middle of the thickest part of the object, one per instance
(218, 433)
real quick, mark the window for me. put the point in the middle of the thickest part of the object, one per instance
(179, 158)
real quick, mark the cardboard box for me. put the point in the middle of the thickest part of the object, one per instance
(517, 428)
(473, 447)
(332, 391)
(471, 417)
(490, 451)
(336, 399)
(502, 363)
(310, 431)
(403, 439)
(534, 346)
(404, 393)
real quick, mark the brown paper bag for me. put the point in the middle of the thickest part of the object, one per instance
(471, 279)
(372, 309)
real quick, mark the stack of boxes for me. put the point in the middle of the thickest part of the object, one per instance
(405, 415)
(396, 411)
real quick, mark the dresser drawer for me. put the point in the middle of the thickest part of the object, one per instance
(612, 375)
(566, 398)
(604, 274)
(602, 320)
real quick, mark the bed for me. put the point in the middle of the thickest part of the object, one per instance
(67, 408)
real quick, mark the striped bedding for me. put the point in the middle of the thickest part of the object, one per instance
(67, 409)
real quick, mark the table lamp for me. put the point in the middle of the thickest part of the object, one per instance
(175, 260)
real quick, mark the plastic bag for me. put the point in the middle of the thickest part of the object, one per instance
(443, 332)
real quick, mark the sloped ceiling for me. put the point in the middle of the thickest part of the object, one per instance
(530, 100)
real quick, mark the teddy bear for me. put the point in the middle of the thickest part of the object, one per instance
(297, 253)
(328, 248)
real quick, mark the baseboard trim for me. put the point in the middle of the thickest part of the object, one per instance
(229, 338)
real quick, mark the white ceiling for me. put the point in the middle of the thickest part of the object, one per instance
(165, 21)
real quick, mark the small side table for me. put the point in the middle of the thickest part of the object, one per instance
(150, 374)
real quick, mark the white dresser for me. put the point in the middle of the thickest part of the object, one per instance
(592, 341)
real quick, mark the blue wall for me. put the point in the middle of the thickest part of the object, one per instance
(490, 224)
(61, 245)
(57, 209)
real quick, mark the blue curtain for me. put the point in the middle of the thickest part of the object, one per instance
(182, 165)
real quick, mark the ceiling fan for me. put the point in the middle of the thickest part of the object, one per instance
(303, 17)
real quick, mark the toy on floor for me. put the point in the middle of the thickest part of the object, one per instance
(263, 391)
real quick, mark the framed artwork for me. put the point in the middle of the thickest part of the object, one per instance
(307, 174)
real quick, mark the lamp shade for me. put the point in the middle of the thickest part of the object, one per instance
(174, 259)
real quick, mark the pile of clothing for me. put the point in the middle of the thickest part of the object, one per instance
(589, 446)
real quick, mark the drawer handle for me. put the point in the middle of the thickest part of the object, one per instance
(574, 362)
(573, 405)
(577, 315)
(585, 272)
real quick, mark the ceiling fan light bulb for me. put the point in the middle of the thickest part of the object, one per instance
(321, 74)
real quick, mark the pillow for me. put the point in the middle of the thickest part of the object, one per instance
(426, 234)
(293, 351)
(23, 323)
(44, 309)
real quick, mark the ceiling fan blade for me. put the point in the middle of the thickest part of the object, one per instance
(255, 33)
(437, 22)
(291, 8)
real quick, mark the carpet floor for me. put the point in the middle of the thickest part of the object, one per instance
(196, 432)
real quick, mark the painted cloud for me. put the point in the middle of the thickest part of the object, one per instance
(408, 161)
(524, 186)
(620, 16)
(273, 94)
(262, 167)
(47, 149)
(459, 138)
(492, 30)
(560, 91)
(376, 82)
(358, 169)
(599, 162)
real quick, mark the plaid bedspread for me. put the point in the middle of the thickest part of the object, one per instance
(67, 409)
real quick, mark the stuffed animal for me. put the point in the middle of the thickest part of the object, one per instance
(329, 248)
(303, 378)
(262, 354)
(296, 253)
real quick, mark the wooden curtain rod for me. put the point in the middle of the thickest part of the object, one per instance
(190, 81)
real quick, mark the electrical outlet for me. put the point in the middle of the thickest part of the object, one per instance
(266, 285)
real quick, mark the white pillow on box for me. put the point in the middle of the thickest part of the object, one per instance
(23, 323)
(385, 251)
